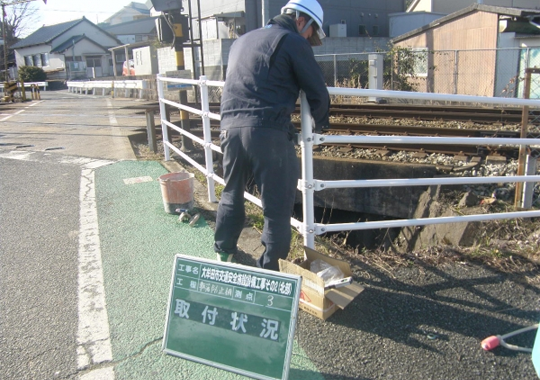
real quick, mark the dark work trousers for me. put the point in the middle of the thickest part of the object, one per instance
(269, 155)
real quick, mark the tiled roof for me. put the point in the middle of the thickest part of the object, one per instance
(140, 7)
(142, 26)
(46, 34)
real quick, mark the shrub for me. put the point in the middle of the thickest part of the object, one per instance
(32, 74)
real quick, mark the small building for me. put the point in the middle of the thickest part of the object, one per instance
(140, 30)
(130, 12)
(70, 50)
(479, 50)
(423, 12)
(447, 6)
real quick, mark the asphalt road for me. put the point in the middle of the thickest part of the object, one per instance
(63, 197)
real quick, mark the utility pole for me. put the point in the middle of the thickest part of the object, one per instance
(4, 34)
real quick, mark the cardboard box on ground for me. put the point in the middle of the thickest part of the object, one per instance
(314, 299)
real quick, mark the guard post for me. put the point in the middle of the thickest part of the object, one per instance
(9, 91)
(23, 91)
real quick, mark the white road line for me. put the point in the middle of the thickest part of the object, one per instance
(93, 336)
(10, 116)
(112, 117)
(18, 112)
(33, 104)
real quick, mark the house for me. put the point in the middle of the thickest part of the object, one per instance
(479, 50)
(446, 7)
(69, 50)
(423, 12)
(130, 12)
(139, 30)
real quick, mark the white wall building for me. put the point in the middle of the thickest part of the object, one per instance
(66, 50)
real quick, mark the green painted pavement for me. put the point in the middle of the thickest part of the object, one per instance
(138, 243)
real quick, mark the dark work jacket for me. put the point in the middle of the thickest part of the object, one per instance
(267, 68)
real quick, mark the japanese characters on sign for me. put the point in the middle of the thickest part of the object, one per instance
(222, 314)
(241, 323)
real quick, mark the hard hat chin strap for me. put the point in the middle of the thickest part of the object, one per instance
(305, 28)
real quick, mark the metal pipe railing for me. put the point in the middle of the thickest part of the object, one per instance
(307, 139)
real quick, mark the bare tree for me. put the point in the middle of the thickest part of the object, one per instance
(20, 18)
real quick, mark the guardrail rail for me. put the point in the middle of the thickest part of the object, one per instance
(308, 185)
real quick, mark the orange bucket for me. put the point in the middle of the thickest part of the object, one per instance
(177, 191)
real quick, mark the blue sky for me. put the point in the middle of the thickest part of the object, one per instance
(57, 11)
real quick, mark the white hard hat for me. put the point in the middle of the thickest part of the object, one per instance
(310, 7)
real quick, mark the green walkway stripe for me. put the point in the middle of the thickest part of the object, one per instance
(139, 241)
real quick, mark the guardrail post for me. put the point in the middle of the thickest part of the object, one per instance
(207, 134)
(23, 91)
(528, 187)
(151, 129)
(306, 182)
(519, 196)
(335, 71)
(144, 87)
(163, 113)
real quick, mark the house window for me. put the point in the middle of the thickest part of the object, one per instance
(420, 61)
(37, 60)
(93, 61)
(362, 30)
(375, 30)
(45, 59)
(28, 60)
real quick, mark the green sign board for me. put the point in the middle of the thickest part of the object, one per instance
(237, 318)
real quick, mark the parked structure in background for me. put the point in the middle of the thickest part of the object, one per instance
(70, 50)
(480, 50)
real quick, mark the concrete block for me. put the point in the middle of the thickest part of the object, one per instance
(398, 202)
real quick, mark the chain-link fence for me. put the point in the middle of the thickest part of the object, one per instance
(481, 72)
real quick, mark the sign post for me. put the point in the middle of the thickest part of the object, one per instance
(237, 318)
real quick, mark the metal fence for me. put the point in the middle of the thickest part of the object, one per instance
(478, 72)
(347, 70)
(308, 185)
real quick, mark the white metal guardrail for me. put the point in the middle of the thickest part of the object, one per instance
(308, 184)
(28, 85)
(108, 87)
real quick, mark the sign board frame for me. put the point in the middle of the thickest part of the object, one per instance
(237, 318)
